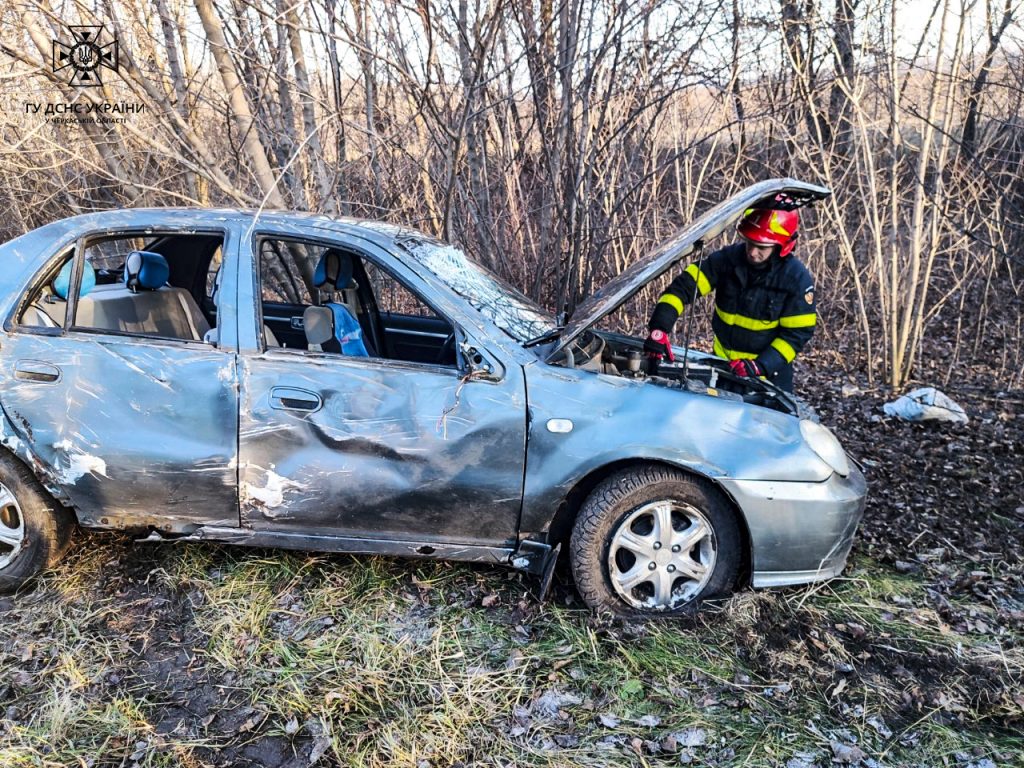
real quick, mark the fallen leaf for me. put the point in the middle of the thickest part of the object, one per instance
(252, 721)
(846, 753)
(320, 747)
(691, 737)
(631, 689)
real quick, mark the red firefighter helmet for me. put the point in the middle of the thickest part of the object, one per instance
(767, 226)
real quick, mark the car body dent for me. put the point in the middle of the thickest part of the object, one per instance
(620, 419)
(799, 531)
(393, 449)
(85, 427)
(11, 439)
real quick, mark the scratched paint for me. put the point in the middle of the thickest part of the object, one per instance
(271, 495)
(79, 463)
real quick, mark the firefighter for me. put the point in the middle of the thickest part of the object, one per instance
(764, 299)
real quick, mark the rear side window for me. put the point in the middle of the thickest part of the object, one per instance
(47, 307)
(132, 285)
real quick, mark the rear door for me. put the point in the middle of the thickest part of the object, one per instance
(136, 429)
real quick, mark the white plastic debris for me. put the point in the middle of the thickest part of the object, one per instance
(926, 404)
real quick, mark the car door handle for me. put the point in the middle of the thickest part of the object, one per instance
(31, 370)
(291, 399)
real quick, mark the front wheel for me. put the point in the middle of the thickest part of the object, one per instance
(34, 530)
(654, 540)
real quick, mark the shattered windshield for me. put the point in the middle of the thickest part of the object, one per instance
(503, 305)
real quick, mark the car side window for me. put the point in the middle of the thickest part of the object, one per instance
(393, 297)
(282, 264)
(131, 284)
(368, 311)
(47, 307)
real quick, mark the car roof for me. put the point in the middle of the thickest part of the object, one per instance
(120, 218)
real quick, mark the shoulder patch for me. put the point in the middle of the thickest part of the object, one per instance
(809, 294)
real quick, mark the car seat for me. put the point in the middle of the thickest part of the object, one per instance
(335, 270)
(212, 336)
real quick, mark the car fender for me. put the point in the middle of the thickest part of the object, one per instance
(581, 421)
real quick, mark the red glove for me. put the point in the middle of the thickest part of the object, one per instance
(657, 345)
(746, 368)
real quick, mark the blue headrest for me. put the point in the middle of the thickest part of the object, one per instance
(145, 270)
(335, 269)
(62, 283)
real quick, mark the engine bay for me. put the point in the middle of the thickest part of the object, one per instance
(701, 373)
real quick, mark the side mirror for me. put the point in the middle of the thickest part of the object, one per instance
(318, 323)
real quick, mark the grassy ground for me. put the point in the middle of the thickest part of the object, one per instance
(196, 655)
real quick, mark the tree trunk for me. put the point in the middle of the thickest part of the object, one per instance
(241, 115)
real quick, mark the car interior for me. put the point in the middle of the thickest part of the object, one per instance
(166, 287)
(154, 287)
(372, 314)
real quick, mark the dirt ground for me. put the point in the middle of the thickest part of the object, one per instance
(130, 655)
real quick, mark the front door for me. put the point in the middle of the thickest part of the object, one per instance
(379, 449)
(394, 447)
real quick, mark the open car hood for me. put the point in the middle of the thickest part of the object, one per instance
(779, 193)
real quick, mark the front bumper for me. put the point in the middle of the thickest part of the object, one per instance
(799, 532)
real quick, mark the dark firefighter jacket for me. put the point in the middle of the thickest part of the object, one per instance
(767, 314)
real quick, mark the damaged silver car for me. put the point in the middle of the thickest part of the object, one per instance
(299, 381)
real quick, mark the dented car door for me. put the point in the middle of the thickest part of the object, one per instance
(370, 449)
(133, 431)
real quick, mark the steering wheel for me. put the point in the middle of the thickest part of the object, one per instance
(446, 355)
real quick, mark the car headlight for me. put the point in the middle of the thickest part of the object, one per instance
(825, 444)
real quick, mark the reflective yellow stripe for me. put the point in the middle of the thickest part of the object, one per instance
(732, 354)
(746, 322)
(702, 282)
(784, 349)
(673, 301)
(799, 321)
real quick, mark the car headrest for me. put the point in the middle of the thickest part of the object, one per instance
(318, 324)
(145, 270)
(334, 269)
(62, 283)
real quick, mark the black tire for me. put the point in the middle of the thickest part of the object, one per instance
(44, 526)
(620, 510)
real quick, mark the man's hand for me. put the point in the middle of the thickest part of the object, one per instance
(657, 345)
(746, 368)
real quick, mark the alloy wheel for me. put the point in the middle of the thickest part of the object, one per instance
(661, 555)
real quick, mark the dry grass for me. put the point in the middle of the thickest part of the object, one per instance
(201, 656)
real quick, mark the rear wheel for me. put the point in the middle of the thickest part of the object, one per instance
(34, 530)
(654, 540)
